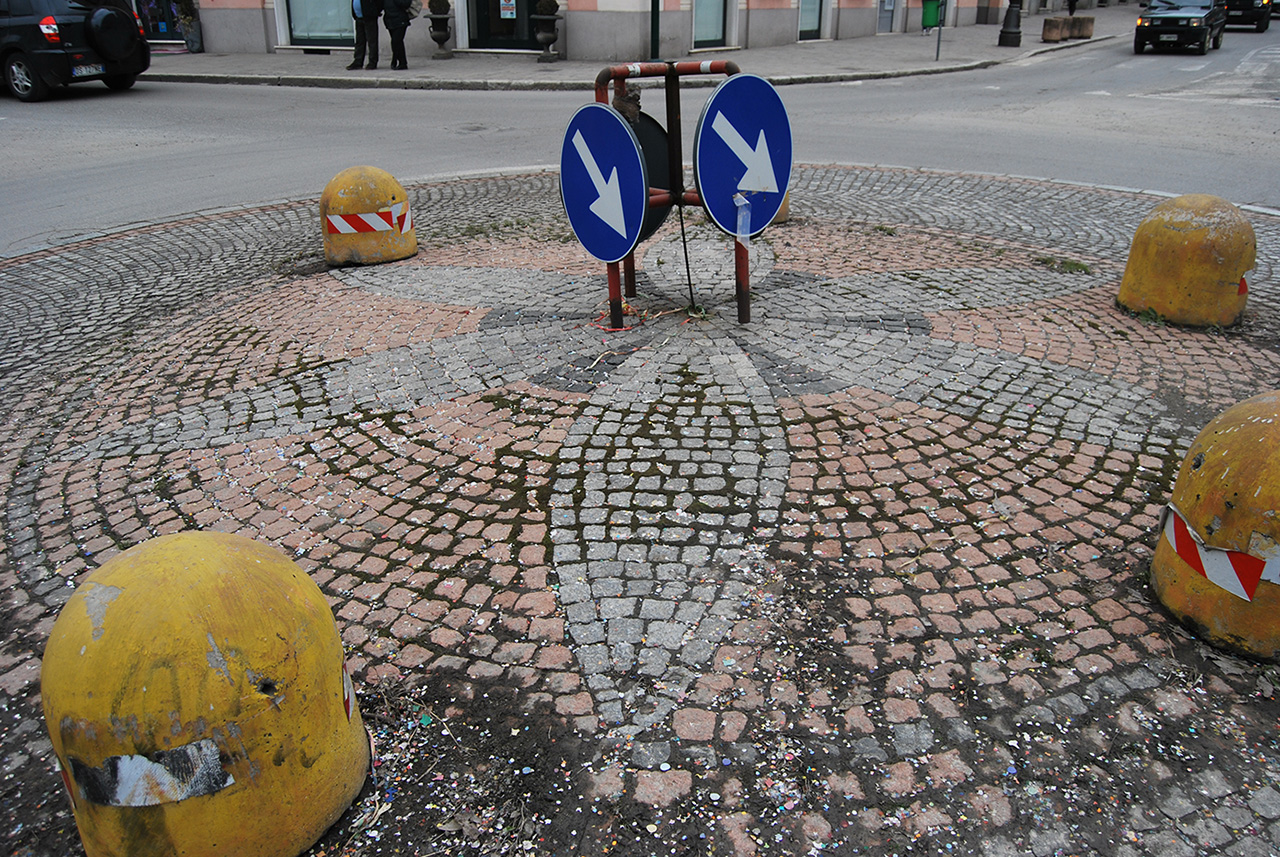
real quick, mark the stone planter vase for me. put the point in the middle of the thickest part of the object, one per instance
(544, 30)
(193, 35)
(440, 33)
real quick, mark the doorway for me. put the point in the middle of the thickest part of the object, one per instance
(320, 22)
(810, 19)
(499, 24)
(885, 22)
(708, 23)
(160, 20)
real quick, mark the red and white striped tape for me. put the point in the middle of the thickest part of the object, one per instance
(398, 218)
(1238, 573)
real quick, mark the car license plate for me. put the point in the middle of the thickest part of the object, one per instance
(87, 70)
(1235, 11)
(1168, 37)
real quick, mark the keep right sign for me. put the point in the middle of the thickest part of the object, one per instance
(742, 154)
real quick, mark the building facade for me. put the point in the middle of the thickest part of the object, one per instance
(606, 30)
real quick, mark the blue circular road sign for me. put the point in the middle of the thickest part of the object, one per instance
(603, 183)
(742, 154)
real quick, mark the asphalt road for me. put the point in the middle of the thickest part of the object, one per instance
(1177, 123)
(91, 161)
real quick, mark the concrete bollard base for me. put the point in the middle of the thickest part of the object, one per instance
(1217, 561)
(366, 218)
(1055, 29)
(1188, 262)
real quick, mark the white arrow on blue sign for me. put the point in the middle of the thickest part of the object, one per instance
(603, 183)
(742, 146)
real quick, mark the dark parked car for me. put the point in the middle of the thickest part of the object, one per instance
(47, 43)
(1181, 23)
(1255, 13)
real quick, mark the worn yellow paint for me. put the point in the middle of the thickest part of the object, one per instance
(1188, 260)
(784, 210)
(205, 637)
(365, 190)
(1228, 489)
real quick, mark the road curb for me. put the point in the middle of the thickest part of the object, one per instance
(543, 169)
(332, 82)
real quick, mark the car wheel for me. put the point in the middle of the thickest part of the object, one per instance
(1138, 46)
(119, 82)
(112, 32)
(1203, 47)
(1217, 40)
(1264, 23)
(22, 79)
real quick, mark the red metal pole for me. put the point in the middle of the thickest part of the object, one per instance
(658, 69)
(615, 297)
(678, 195)
(742, 278)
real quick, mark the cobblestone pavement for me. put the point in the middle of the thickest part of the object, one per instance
(866, 575)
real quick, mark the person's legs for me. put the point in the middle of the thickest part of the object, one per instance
(371, 37)
(397, 48)
(357, 55)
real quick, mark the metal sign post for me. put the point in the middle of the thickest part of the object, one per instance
(742, 165)
(742, 147)
(942, 22)
(743, 131)
(604, 188)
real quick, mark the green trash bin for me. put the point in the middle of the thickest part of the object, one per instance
(929, 15)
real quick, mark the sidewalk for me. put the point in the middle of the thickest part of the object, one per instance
(888, 55)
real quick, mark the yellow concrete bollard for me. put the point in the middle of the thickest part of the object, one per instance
(784, 210)
(195, 693)
(366, 218)
(1188, 262)
(1217, 564)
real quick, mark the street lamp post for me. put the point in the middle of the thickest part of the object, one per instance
(655, 7)
(1011, 32)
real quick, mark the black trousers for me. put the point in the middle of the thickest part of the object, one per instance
(366, 35)
(397, 46)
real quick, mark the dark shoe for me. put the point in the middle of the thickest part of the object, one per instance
(353, 66)
(371, 66)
